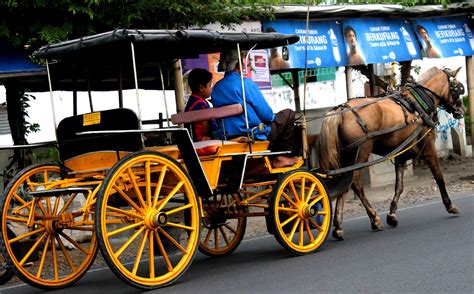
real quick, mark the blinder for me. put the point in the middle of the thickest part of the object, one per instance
(456, 89)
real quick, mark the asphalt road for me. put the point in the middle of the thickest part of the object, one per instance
(429, 252)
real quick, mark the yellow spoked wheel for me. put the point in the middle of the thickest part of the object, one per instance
(53, 242)
(148, 220)
(223, 225)
(300, 212)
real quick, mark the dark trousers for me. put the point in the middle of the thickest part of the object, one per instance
(281, 134)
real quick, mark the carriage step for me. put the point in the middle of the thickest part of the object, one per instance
(56, 192)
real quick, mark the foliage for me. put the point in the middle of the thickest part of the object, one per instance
(27, 126)
(50, 21)
(51, 154)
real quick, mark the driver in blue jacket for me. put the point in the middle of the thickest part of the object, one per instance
(278, 127)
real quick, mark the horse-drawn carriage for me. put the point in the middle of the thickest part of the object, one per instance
(148, 198)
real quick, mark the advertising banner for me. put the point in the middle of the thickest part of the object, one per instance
(370, 41)
(325, 44)
(445, 37)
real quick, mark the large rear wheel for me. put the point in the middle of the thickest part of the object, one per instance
(53, 242)
(300, 212)
(148, 220)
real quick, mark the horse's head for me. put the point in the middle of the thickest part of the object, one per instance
(452, 101)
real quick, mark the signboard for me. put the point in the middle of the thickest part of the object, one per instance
(324, 46)
(370, 41)
(445, 37)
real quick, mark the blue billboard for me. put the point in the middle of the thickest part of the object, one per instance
(445, 37)
(379, 40)
(324, 46)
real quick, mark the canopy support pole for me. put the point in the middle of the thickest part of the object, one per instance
(136, 83)
(164, 96)
(349, 90)
(470, 92)
(244, 97)
(178, 86)
(120, 86)
(51, 95)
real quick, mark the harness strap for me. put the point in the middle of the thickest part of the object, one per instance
(390, 155)
(379, 133)
(360, 121)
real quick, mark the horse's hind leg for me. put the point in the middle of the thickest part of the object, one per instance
(358, 189)
(338, 231)
(392, 219)
(433, 162)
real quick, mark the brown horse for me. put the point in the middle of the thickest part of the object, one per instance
(360, 123)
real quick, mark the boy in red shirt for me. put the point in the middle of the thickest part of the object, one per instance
(200, 82)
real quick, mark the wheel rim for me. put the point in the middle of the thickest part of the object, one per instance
(222, 227)
(302, 212)
(148, 207)
(49, 256)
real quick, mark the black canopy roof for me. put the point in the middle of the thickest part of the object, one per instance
(103, 57)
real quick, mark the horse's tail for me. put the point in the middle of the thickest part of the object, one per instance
(328, 145)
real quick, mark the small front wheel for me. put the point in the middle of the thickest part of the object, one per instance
(300, 212)
(148, 220)
(223, 225)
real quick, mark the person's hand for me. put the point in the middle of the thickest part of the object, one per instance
(204, 138)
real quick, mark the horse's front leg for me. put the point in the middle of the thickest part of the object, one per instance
(358, 189)
(432, 159)
(392, 219)
(338, 231)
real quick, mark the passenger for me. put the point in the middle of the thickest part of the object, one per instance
(200, 82)
(279, 127)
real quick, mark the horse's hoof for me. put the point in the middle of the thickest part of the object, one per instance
(454, 210)
(392, 220)
(338, 235)
(377, 224)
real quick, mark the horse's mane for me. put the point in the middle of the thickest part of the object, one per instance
(427, 75)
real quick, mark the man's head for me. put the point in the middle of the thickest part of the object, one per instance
(200, 82)
(229, 60)
(351, 37)
(423, 33)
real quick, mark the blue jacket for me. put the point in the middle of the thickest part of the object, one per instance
(229, 91)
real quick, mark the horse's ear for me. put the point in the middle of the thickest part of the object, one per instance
(456, 72)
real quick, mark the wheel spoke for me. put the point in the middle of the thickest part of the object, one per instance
(77, 245)
(151, 255)
(289, 220)
(230, 228)
(54, 258)
(159, 184)
(310, 192)
(301, 234)
(124, 229)
(135, 187)
(43, 257)
(128, 199)
(125, 212)
(170, 195)
(66, 254)
(293, 229)
(56, 205)
(170, 212)
(308, 230)
(172, 240)
(68, 202)
(19, 199)
(179, 226)
(208, 236)
(316, 200)
(288, 199)
(26, 235)
(287, 209)
(293, 189)
(226, 239)
(303, 197)
(315, 224)
(32, 249)
(163, 252)
(129, 241)
(216, 239)
(148, 184)
(140, 251)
